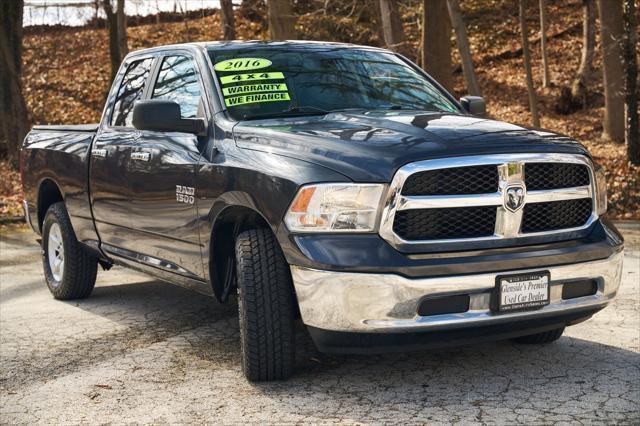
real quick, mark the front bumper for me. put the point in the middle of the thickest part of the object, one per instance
(388, 303)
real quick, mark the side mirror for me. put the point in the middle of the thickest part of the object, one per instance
(474, 105)
(164, 116)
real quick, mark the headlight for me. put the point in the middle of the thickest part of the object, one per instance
(601, 190)
(335, 207)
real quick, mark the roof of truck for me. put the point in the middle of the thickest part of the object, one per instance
(239, 44)
(247, 44)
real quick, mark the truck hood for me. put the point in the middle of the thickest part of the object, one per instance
(370, 147)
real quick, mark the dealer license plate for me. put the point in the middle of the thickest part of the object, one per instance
(522, 292)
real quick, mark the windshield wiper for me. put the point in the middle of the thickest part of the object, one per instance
(393, 107)
(307, 109)
(349, 109)
(397, 107)
(291, 112)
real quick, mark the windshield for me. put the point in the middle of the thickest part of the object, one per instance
(273, 82)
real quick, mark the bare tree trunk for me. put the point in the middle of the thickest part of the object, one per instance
(631, 81)
(533, 102)
(185, 21)
(281, 20)
(378, 25)
(14, 119)
(580, 85)
(463, 47)
(611, 34)
(122, 30)
(112, 29)
(391, 25)
(228, 20)
(546, 79)
(96, 7)
(436, 42)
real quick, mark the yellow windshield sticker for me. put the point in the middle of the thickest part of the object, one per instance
(254, 88)
(242, 64)
(238, 78)
(262, 97)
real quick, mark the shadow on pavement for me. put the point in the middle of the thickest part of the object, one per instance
(502, 373)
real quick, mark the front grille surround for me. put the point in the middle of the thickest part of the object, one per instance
(508, 224)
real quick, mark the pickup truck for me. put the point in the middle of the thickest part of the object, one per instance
(324, 184)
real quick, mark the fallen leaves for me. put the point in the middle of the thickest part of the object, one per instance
(66, 74)
(10, 192)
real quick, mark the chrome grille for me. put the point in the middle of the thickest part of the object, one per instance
(460, 180)
(476, 198)
(540, 217)
(555, 175)
(465, 222)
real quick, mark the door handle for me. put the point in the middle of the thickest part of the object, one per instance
(140, 156)
(102, 153)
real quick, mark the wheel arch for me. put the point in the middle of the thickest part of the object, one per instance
(228, 224)
(49, 193)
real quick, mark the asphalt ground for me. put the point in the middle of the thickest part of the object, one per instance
(144, 351)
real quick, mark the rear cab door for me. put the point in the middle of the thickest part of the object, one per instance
(110, 154)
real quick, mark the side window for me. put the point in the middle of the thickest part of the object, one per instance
(130, 91)
(177, 81)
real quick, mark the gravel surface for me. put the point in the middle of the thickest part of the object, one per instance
(140, 350)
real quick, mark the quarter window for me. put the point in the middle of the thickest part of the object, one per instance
(130, 91)
(177, 81)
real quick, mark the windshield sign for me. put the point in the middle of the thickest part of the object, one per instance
(269, 82)
(243, 64)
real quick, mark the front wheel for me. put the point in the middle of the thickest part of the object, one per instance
(69, 270)
(266, 305)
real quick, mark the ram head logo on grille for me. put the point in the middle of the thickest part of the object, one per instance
(514, 198)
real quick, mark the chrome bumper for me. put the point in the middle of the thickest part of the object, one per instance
(387, 303)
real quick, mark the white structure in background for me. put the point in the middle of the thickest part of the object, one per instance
(79, 12)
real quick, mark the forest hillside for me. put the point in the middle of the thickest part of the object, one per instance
(67, 70)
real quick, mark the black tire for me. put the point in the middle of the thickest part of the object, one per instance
(77, 275)
(266, 305)
(540, 338)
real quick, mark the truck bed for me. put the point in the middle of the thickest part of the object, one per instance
(58, 157)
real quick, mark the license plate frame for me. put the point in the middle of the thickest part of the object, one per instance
(541, 277)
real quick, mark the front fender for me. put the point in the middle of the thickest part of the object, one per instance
(262, 182)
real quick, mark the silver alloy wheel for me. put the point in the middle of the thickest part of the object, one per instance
(56, 252)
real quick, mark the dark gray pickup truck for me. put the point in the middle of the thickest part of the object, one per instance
(331, 184)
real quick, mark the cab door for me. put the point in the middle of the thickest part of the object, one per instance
(162, 176)
(110, 155)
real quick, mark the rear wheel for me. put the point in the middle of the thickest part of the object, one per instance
(541, 338)
(266, 305)
(69, 270)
